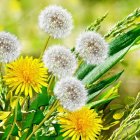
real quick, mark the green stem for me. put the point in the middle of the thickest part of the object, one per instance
(15, 118)
(52, 78)
(46, 45)
(52, 109)
(2, 68)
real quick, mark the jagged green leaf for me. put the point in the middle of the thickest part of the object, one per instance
(29, 120)
(38, 117)
(34, 117)
(42, 99)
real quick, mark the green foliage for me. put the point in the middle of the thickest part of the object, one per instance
(117, 45)
(125, 24)
(124, 40)
(130, 127)
(7, 130)
(31, 121)
(95, 89)
(83, 70)
(38, 117)
(11, 121)
(3, 91)
(100, 102)
(101, 69)
(19, 113)
(35, 115)
(42, 99)
(104, 83)
(105, 97)
(95, 26)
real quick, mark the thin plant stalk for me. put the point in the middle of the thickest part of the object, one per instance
(52, 109)
(2, 68)
(46, 45)
(15, 118)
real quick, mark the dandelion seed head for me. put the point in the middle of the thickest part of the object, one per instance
(92, 47)
(56, 21)
(9, 47)
(71, 93)
(60, 61)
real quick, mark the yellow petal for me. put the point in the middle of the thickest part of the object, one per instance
(30, 92)
(23, 88)
(26, 90)
(4, 114)
(18, 89)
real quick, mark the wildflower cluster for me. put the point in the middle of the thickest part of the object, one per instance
(47, 92)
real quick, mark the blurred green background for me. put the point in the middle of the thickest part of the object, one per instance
(20, 17)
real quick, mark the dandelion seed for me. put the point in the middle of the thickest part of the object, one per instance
(25, 75)
(83, 124)
(60, 61)
(9, 47)
(71, 93)
(92, 47)
(56, 21)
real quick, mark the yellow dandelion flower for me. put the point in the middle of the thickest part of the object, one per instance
(84, 124)
(25, 75)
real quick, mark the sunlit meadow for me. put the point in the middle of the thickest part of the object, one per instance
(69, 70)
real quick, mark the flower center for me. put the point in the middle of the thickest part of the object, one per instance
(58, 22)
(61, 61)
(29, 73)
(5, 45)
(93, 47)
(81, 125)
(26, 76)
(72, 93)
